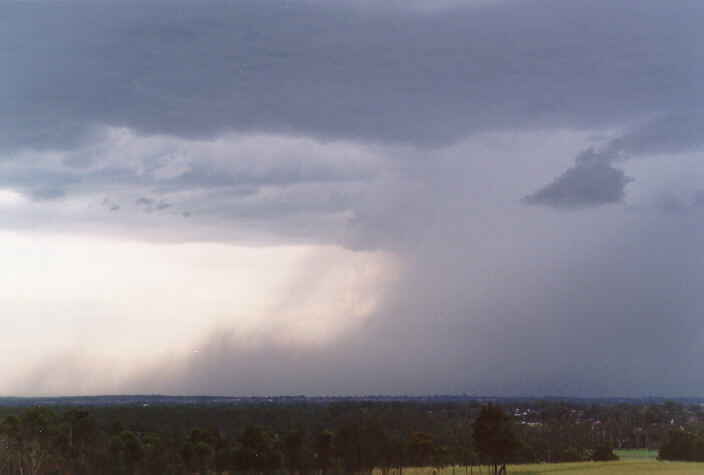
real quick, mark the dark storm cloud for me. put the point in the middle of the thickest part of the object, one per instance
(344, 70)
(593, 181)
(670, 133)
(587, 184)
(495, 296)
(607, 318)
(359, 71)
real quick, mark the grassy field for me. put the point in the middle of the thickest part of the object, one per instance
(637, 454)
(629, 466)
(632, 466)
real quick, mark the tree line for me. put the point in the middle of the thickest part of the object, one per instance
(351, 437)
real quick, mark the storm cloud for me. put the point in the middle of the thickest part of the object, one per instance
(352, 197)
(343, 69)
(586, 184)
(593, 181)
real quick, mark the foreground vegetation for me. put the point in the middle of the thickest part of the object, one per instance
(350, 437)
(637, 454)
(626, 467)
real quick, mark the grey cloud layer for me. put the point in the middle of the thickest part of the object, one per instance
(345, 71)
(371, 126)
(592, 304)
(339, 70)
(287, 186)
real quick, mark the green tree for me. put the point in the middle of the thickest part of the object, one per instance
(188, 456)
(32, 441)
(81, 439)
(494, 437)
(205, 454)
(604, 452)
(323, 451)
(680, 445)
(255, 450)
(570, 454)
(155, 455)
(131, 450)
(348, 443)
(377, 446)
(419, 447)
(114, 462)
(293, 451)
(205, 444)
(223, 460)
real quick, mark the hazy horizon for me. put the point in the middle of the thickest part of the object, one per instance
(343, 197)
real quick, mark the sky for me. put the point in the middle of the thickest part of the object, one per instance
(349, 197)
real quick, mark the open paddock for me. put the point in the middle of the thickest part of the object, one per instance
(628, 467)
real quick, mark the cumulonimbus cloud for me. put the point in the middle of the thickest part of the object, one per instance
(365, 126)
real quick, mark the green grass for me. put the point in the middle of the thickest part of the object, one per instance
(628, 467)
(637, 454)
(632, 466)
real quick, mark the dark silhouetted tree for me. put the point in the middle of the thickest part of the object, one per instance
(348, 443)
(419, 447)
(293, 451)
(570, 454)
(323, 451)
(131, 450)
(604, 452)
(254, 450)
(682, 445)
(494, 437)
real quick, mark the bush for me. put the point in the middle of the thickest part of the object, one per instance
(604, 452)
(570, 454)
(682, 445)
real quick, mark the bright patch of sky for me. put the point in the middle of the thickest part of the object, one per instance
(126, 302)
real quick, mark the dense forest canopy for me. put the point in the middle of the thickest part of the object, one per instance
(338, 436)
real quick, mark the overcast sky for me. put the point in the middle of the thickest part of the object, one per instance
(352, 197)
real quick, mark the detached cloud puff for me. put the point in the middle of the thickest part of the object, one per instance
(587, 184)
(593, 181)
